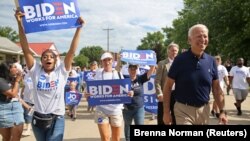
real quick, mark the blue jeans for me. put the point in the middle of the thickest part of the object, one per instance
(52, 134)
(27, 117)
(129, 115)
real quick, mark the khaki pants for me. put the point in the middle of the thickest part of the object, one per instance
(189, 115)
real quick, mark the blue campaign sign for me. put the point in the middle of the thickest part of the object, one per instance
(140, 57)
(72, 98)
(44, 15)
(105, 92)
(89, 75)
(70, 79)
(150, 99)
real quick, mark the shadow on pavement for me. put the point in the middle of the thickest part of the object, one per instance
(234, 119)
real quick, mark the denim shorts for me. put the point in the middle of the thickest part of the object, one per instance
(11, 114)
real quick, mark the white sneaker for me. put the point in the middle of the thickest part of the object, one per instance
(26, 133)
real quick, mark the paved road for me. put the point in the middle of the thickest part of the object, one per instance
(84, 128)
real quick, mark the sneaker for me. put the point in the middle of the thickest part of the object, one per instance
(153, 117)
(235, 105)
(217, 115)
(74, 119)
(213, 113)
(238, 109)
(26, 133)
(239, 113)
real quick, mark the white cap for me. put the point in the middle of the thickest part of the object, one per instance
(106, 55)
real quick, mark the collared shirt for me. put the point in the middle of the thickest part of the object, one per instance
(170, 61)
(193, 77)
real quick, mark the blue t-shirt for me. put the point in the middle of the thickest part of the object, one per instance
(193, 77)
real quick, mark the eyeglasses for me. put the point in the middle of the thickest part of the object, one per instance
(198, 65)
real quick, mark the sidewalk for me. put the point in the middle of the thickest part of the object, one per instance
(84, 128)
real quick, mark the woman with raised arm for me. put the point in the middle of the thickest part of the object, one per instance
(48, 78)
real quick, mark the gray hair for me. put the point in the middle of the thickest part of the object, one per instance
(173, 45)
(190, 31)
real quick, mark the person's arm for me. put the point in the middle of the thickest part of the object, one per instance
(23, 40)
(230, 81)
(150, 71)
(158, 79)
(119, 63)
(13, 91)
(248, 80)
(24, 104)
(226, 80)
(166, 100)
(220, 100)
(22, 91)
(70, 54)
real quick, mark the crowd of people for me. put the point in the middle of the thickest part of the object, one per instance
(183, 84)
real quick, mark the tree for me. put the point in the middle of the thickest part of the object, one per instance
(81, 60)
(228, 23)
(92, 52)
(154, 41)
(9, 33)
(63, 54)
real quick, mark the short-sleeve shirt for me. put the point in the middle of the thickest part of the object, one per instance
(136, 85)
(193, 77)
(49, 89)
(222, 72)
(109, 109)
(240, 74)
(4, 86)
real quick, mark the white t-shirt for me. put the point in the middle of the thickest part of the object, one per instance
(110, 109)
(239, 77)
(28, 92)
(222, 72)
(49, 89)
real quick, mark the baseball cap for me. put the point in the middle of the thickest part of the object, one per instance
(93, 63)
(106, 55)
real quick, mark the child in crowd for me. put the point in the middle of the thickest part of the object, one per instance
(73, 107)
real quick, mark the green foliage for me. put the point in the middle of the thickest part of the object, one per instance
(63, 54)
(154, 41)
(228, 23)
(9, 33)
(81, 60)
(92, 52)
